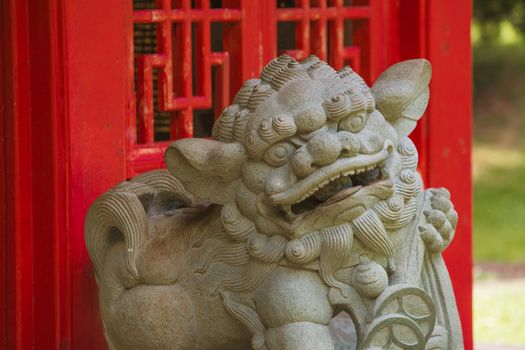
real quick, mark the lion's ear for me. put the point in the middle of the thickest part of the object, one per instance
(401, 93)
(209, 169)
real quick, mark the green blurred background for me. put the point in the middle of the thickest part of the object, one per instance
(498, 41)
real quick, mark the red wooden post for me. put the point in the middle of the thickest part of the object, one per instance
(97, 106)
(440, 31)
(17, 247)
(449, 136)
(34, 177)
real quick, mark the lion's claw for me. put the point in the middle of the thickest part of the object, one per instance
(431, 237)
(441, 221)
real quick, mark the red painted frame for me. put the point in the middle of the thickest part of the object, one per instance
(65, 137)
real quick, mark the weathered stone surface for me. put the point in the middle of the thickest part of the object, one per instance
(305, 204)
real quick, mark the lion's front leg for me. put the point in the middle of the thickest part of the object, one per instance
(293, 305)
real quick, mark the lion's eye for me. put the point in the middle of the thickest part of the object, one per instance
(353, 123)
(278, 154)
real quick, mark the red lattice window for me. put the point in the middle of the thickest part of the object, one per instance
(189, 56)
(327, 29)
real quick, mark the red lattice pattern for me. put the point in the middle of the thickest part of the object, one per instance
(321, 29)
(174, 63)
(173, 79)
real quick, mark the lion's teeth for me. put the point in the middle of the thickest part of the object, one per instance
(336, 182)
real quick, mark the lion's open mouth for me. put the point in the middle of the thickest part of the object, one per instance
(335, 189)
(333, 183)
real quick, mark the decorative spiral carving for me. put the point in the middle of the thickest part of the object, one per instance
(121, 210)
(371, 278)
(370, 101)
(222, 129)
(248, 317)
(331, 245)
(292, 71)
(345, 72)
(236, 225)
(240, 124)
(372, 233)
(408, 183)
(309, 61)
(338, 106)
(335, 250)
(274, 67)
(304, 250)
(259, 94)
(234, 255)
(321, 70)
(358, 88)
(408, 152)
(358, 102)
(406, 147)
(254, 144)
(266, 249)
(405, 217)
(266, 131)
(284, 125)
(255, 274)
(245, 92)
(390, 209)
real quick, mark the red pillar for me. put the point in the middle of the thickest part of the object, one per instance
(440, 31)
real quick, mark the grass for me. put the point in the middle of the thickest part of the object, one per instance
(499, 187)
(496, 319)
(499, 153)
(499, 204)
(499, 190)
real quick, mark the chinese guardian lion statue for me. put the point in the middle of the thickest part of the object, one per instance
(305, 203)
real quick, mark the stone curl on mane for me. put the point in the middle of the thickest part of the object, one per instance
(230, 126)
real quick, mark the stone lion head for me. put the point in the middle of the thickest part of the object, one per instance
(306, 145)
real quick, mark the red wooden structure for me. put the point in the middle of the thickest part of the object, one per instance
(92, 92)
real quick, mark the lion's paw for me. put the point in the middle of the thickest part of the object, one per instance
(441, 221)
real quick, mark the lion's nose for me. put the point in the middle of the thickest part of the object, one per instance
(324, 147)
(350, 144)
(302, 163)
(372, 144)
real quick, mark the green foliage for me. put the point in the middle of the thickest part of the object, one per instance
(491, 13)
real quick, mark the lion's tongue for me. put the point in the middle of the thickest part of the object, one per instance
(333, 188)
(341, 195)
